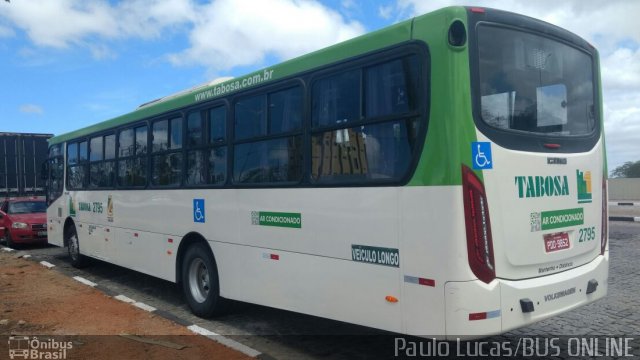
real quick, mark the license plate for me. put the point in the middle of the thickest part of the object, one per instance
(556, 241)
(42, 233)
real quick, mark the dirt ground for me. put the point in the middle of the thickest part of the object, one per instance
(57, 311)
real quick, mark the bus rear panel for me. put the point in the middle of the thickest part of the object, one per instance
(534, 192)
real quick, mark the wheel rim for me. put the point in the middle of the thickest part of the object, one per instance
(199, 280)
(73, 247)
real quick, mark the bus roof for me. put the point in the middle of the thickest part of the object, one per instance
(388, 36)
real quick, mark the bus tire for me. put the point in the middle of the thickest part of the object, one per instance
(73, 248)
(200, 283)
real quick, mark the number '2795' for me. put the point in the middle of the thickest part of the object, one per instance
(587, 234)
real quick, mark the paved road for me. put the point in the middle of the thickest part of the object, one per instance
(624, 210)
(287, 335)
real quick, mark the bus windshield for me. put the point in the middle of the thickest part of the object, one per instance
(534, 84)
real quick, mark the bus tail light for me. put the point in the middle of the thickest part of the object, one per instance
(605, 218)
(478, 227)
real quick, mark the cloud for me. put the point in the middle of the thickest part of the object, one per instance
(348, 4)
(231, 33)
(6, 32)
(615, 18)
(59, 23)
(222, 34)
(64, 23)
(149, 18)
(385, 11)
(227, 34)
(621, 70)
(622, 128)
(612, 27)
(31, 109)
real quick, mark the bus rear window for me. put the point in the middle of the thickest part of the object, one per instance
(534, 84)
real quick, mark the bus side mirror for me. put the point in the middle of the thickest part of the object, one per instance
(44, 170)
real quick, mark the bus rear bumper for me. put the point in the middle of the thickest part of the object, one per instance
(475, 309)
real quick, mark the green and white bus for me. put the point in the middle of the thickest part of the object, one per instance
(444, 176)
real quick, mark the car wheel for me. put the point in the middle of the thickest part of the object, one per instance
(200, 282)
(8, 240)
(73, 247)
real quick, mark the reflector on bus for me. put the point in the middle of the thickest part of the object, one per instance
(478, 227)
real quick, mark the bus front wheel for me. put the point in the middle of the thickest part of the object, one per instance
(200, 282)
(73, 247)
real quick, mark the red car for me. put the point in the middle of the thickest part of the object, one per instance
(23, 220)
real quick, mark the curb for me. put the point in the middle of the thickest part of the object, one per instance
(194, 328)
(626, 203)
(625, 218)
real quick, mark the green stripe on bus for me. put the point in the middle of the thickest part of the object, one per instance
(451, 128)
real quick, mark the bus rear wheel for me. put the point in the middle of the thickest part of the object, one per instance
(73, 248)
(200, 282)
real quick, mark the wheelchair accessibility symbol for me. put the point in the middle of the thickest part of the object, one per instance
(198, 210)
(481, 153)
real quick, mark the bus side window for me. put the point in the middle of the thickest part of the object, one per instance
(207, 155)
(166, 158)
(250, 117)
(96, 166)
(285, 110)
(72, 154)
(336, 99)
(195, 158)
(277, 159)
(268, 161)
(108, 177)
(76, 169)
(132, 160)
(217, 163)
(380, 147)
(56, 173)
(217, 124)
(389, 87)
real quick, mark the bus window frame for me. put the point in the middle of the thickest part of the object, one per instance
(118, 130)
(61, 156)
(103, 135)
(265, 91)
(168, 117)
(206, 144)
(78, 163)
(522, 140)
(304, 79)
(420, 113)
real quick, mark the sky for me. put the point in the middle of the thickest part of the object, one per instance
(67, 64)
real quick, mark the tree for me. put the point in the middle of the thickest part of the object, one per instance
(627, 170)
